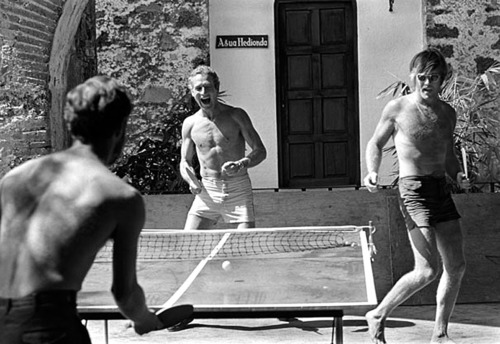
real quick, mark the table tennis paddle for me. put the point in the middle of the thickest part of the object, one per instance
(464, 162)
(176, 315)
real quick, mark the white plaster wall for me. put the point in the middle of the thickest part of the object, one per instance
(248, 74)
(386, 43)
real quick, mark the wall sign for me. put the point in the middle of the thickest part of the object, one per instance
(242, 41)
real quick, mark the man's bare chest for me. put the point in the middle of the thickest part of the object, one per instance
(210, 134)
(424, 126)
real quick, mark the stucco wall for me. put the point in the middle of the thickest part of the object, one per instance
(386, 43)
(248, 75)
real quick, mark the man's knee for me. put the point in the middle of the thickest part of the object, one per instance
(198, 222)
(427, 274)
(456, 269)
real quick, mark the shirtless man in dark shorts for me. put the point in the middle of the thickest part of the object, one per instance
(422, 126)
(56, 212)
(218, 133)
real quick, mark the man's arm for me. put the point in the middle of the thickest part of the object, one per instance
(383, 131)
(252, 138)
(1, 192)
(128, 294)
(187, 154)
(452, 164)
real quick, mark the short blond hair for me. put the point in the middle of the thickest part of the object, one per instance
(206, 71)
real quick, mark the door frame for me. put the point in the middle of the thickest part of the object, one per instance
(280, 96)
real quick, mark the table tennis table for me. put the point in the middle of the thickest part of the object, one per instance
(287, 272)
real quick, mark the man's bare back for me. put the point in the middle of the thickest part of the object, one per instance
(56, 213)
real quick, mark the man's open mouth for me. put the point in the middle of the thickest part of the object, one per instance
(205, 101)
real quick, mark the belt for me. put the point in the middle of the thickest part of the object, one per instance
(41, 297)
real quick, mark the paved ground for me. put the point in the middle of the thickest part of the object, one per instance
(471, 324)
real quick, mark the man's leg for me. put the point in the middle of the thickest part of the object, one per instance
(451, 246)
(425, 252)
(198, 222)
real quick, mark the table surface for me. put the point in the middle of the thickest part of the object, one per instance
(309, 278)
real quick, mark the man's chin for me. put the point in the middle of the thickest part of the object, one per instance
(427, 94)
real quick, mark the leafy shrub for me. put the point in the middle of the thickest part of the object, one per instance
(153, 168)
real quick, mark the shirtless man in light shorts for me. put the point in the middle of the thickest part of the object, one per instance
(218, 133)
(56, 212)
(422, 126)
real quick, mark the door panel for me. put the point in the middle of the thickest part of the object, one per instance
(317, 94)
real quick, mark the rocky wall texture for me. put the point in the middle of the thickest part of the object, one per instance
(468, 33)
(26, 33)
(151, 46)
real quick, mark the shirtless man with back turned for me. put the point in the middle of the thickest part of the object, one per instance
(422, 127)
(218, 133)
(56, 212)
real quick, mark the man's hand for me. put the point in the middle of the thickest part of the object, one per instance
(195, 189)
(231, 168)
(463, 181)
(371, 181)
(194, 184)
(151, 323)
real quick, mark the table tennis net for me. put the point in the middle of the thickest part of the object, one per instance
(200, 244)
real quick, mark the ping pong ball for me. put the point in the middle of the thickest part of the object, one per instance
(226, 265)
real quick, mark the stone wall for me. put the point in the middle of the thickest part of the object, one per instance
(467, 32)
(26, 32)
(150, 46)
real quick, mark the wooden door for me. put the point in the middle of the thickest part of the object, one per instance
(317, 94)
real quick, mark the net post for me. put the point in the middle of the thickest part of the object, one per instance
(106, 334)
(338, 324)
(333, 331)
(371, 246)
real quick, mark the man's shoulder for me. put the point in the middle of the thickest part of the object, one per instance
(22, 172)
(110, 185)
(191, 118)
(399, 102)
(238, 114)
(447, 107)
(395, 107)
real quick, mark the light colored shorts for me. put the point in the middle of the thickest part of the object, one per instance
(230, 199)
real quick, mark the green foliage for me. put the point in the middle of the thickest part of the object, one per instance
(153, 168)
(475, 101)
(478, 126)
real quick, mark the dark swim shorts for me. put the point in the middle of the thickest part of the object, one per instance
(426, 200)
(43, 317)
